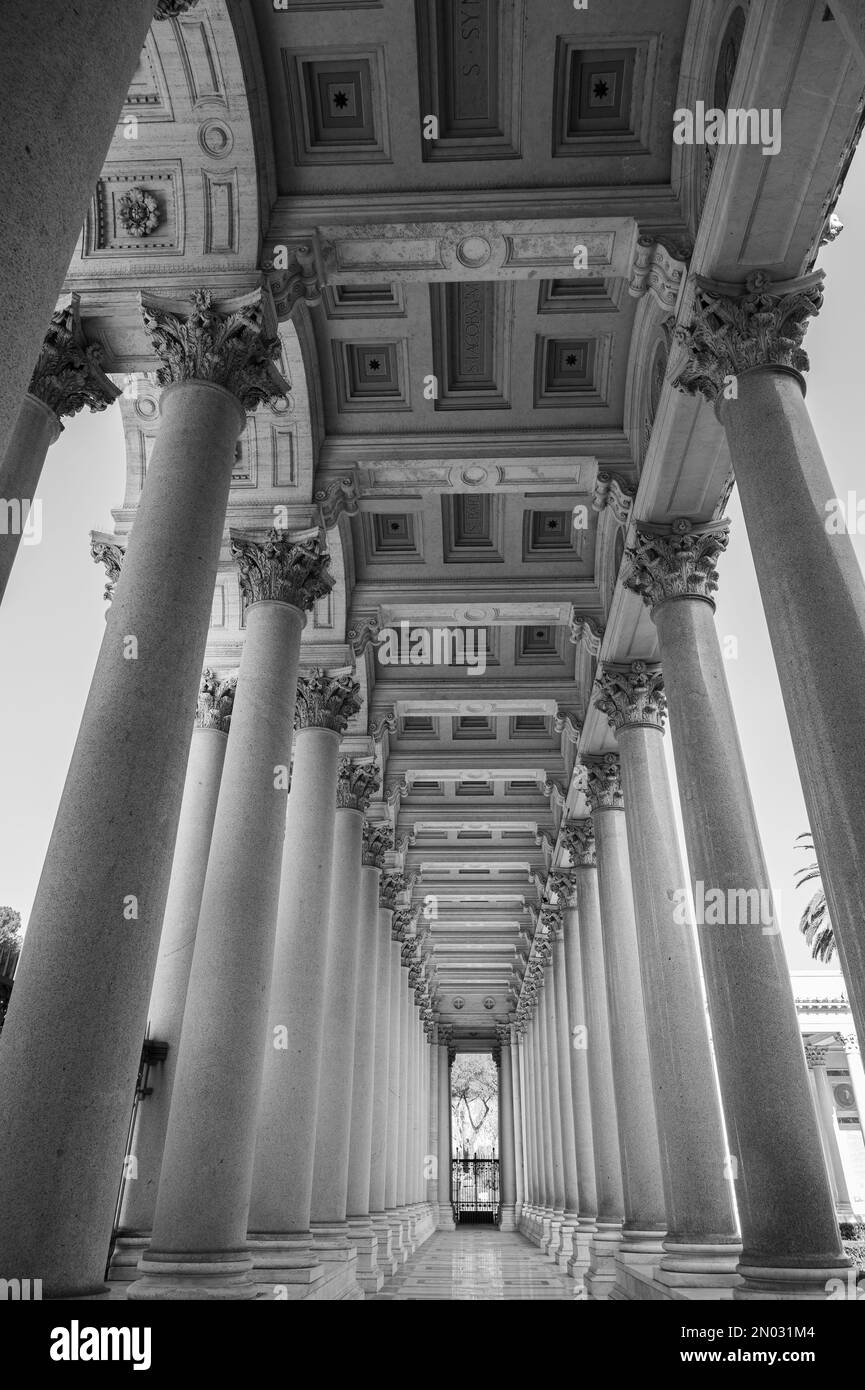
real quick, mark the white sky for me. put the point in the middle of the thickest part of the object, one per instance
(52, 618)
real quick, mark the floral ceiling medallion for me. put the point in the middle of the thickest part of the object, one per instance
(138, 213)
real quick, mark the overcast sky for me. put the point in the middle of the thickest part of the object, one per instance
(52, 618)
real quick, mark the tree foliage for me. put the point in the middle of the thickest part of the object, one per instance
(815, 923)
(10, 927)
(474, 1102)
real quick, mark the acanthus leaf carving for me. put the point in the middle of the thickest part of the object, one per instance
(68, 375)
(107, 550)
(356, 783)
(633, 695)
(604, 782)
(281, 569)
(377, 840)
(578, 837)
(676, 561)
(215, 701)
(325, 702)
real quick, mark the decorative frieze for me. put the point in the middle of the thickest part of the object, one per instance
(356, 783)
(738, 327)
(325, 702)
(68, 375)
(676, 561)
(632, 696)
(281, 569)
(215, 701)
(229, 344)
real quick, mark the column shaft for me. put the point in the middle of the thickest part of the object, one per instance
(563, 1101)
(446, 1220)
(507, 1146)
(88, 963)
(381, 1085)
(35, 430)
(575, 1054)
(519, 1138)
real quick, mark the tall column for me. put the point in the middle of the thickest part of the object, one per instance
(571, 1246)
(645, 1218)
(407, 952)
(91, 59)
(811, 585)
(828, 1133)
(755, 1028)
(534, 1120)
(852, 1052)
(515, 1036)
(67, 378)
(377, 839)
(357, 782)
(507, 1145)
(431, 1160)
(280, 1206)
(590, 1021)
(701, 1244)
(446, 1214)
(382, 1097)
(198, 1248)
(88, 963)
(168, 998)
(397, 1225)
(554, 1205)
(573, 1063)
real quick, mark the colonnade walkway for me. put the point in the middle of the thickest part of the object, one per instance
(476, 1262)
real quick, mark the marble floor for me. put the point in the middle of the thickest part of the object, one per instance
(479, 1262)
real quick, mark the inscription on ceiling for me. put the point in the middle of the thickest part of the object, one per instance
(470, 76)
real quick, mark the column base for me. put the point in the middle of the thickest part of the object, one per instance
(400, 1243)
(641, 1245)
(123, 1268)
(564, 1249)
(446, 1217)
(600, 1276)
(508, 1219)
(331, 1244)
(190, 1275)
(699, 1266)
(552, 1234)
(369, 1274)
(386, 1257)
(287, 1267)
(584, 1233)
(763, 1283)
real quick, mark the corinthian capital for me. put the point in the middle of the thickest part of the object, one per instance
(106, 551)
(355, 785)
(167, 9)
(377, 840)
(738, 327)
(632, 696)
(232, 345)
(676, 561)
(215, 701)
(579, 837)
(325, 702)
(68, 375)
(562, 884)
(604, 782)
(392, 884)
(281, 569)
(549, 923)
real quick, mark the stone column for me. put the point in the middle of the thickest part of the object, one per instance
(382, 1098)
(645, 1220)
(198, 1248)
(852, 1052)
(357, 782)
(446, 1214)
(554, 1204)
(507, 1126)
(395, 1220)
(67, 378)
(591, 1027)
(88, 59)
(88, 963)
(431, 1162)
(280, 1207)
(515, 1035)
(377, 839)
(563, 1102)
(824, 1104)
(573, 1063)
(536, 1130)
(811, 584)
(701, 1244)
(785, 1206)
(168, 998)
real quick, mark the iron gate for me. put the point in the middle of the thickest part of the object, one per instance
(475, 1190)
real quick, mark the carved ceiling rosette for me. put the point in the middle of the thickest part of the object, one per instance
(138, 212)
(676, 561)
(325, 702)
(281, 569)
(579, 838)
(215, 701)
(228, 346)
(377, 840)
(604, 782)
(737, 327)
(633, 696)
(68, 375)
(355, 785)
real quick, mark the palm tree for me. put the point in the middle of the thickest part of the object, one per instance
(815, 924)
